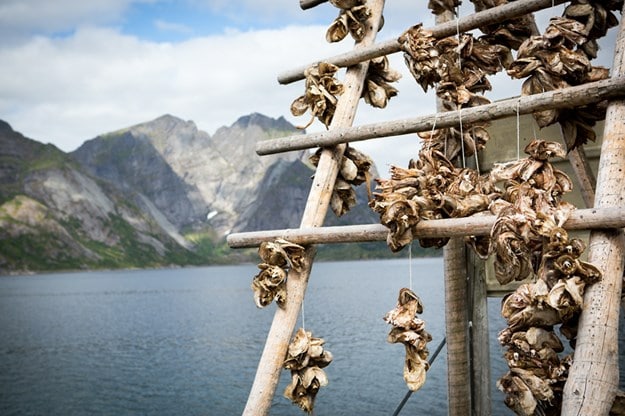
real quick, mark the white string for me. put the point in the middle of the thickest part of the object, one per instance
(464, 162)
(518, 132)
(303, 317)
(432, 135)
(458, 34)
(477, 161)
(410, 265)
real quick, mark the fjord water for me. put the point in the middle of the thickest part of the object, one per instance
(187, 341)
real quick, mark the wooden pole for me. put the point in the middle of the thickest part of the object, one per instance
(479, 336)
(456, 305)
(456, 327)
(581, 219)
(309, 4)
(570, 97)
(494, 15)
(285, 319)
(583, 172)
(593, 378)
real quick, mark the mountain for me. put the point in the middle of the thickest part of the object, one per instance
(157, 193)
(53, 215)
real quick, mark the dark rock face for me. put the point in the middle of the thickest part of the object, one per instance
(154, 183)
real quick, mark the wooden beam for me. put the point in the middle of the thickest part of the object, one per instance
(563, 98)
(479, 336)
(285, 319)
(457, 327)
(494, 15)
(585, 176)
(581, 219)
(309, 4)
(594, 375)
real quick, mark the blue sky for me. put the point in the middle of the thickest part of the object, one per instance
(73, 70)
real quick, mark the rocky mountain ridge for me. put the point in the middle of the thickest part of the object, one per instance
(158, 193)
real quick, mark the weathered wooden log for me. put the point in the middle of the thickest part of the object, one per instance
(495, 15)
(479, 335)
(285, 319)
(457, 327)
(581, 219)
(593, 378)
(309, 4)
(585, 176)
(564, 98)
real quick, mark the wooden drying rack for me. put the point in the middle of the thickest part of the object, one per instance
(593, 378)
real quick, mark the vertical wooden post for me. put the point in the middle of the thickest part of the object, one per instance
(276, 346)
(456, 327)
(479, 353)
(593, 377)
(456, 312)
(585, 177)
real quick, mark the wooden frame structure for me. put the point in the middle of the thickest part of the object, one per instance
(593, 380)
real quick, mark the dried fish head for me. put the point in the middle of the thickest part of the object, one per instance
(540, 388)
(338, 29)
(588, 272)
(540, 338)
(415, 369)
(519, 398)
(267, 284)
(544, 150)
(343, 197)
(273, 253)
(408, 305)
(421, 55)
(346, 4)
(305, 357)
(441, 6)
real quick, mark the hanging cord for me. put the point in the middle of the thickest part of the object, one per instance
(477, 160)
(410, 264)
(430, 362)
(464, 162)
(518, 131)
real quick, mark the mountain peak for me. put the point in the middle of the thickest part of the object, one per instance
(5, 127)
(264, 122)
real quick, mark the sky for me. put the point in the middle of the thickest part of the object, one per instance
(71, 71)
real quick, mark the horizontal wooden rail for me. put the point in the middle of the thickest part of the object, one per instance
(493, 15)
(309, 4)
(581, 219)
(563, 98)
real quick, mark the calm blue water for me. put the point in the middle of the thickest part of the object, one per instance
(187, 341)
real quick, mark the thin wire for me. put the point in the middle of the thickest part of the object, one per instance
(477, 161)
(410, 264)
(430, 362)
(518, 131)
(464, 162)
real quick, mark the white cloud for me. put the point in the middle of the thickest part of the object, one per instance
(70, 89)
(20, 18)
(172, 27)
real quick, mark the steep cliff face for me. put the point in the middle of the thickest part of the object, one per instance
(160, 192)
(194, 179)
(54, 215)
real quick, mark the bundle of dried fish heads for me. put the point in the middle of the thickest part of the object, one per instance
(278, 258)
(305, 358)
(409, 330)
(353, 171)
(377, 90)
(352, 19)
(320, 94)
